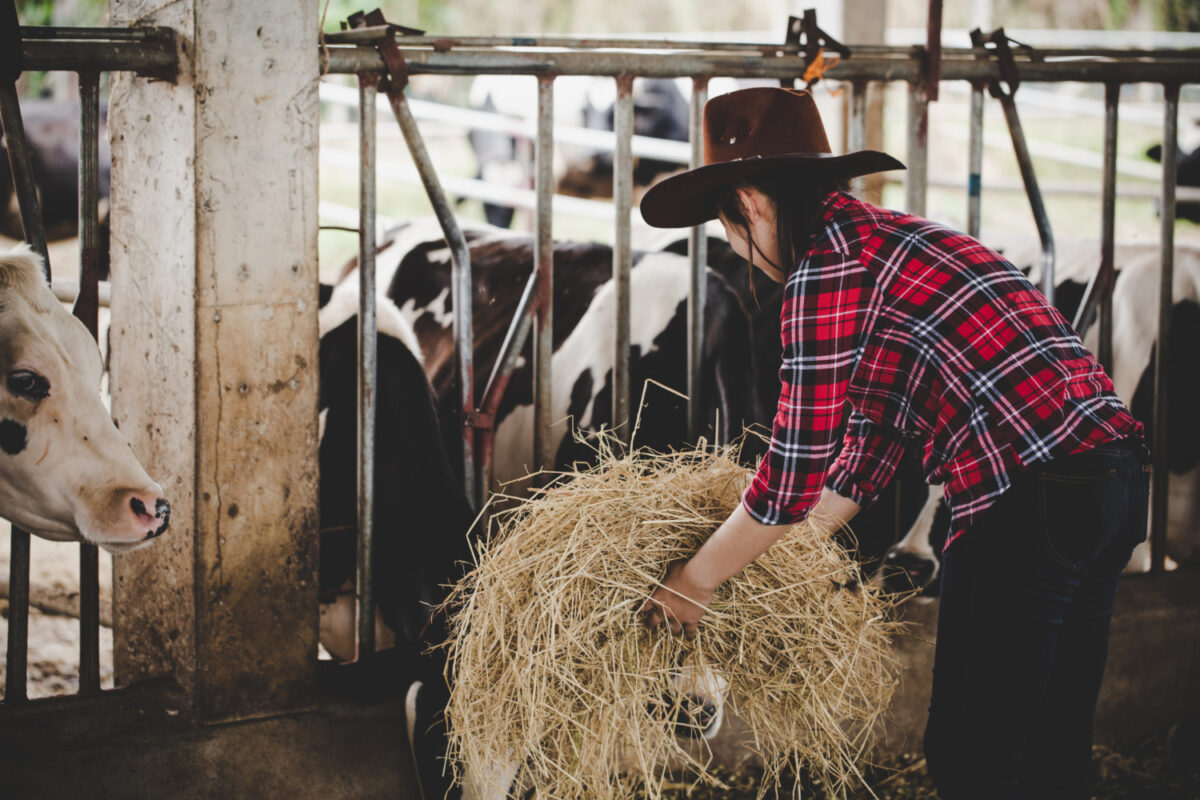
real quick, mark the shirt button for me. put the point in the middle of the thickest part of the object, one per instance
(867, 487)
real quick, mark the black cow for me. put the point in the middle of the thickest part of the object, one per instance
(421, 518)
(1187, 173)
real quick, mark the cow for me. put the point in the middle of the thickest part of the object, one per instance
(52, 134)
(413, 261)
(66, 472)
(660, 111)
(915, 560)
(1187, 173)
(421, 518)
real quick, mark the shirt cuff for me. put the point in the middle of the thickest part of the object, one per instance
(758, 504)
(863, 491)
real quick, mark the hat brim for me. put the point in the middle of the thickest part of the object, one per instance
(686, 199)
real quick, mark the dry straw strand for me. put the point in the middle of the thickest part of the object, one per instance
(554, 677)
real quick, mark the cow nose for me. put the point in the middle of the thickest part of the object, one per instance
(156, 522)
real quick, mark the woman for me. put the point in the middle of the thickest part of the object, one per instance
(904, 334)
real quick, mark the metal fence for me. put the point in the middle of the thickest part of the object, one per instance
(982, 67)
(375, 53)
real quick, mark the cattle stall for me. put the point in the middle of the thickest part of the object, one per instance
(216, 641)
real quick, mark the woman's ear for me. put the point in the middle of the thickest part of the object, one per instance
(755, 205)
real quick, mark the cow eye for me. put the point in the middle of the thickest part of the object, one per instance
(28, 384)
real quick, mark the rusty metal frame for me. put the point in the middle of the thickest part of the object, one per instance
(148, 51)
(920, 67)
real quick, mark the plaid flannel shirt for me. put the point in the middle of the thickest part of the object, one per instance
(924, 338)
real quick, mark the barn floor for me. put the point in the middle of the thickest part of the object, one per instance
(134, 742)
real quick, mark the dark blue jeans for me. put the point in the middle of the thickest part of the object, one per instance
(1026, 600)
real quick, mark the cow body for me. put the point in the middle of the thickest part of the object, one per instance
(914, 561)
(66, 473)
(415, 261)
(421, 517)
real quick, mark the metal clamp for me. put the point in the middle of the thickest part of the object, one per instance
(383, 35)
(816, 42)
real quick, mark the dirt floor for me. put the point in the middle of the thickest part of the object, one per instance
(1165, 766)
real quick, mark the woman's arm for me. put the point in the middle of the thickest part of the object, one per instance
(688, 588)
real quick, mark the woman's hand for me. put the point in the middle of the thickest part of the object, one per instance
(680, 602)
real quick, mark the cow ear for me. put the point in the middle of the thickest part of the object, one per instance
(323, 294)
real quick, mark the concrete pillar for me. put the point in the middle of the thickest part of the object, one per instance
(214, 339)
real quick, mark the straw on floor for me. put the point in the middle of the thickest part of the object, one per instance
(554, 675)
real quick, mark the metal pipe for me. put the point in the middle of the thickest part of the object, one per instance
(1099, 288)
(22, 171)
(975, 163)
(698, 263)
(543, 337)
(622, 255)
(153, 56)
(16, 666)
(460, 277)
(446, 43)
(1029, 178)
(916, 177)
(87, 310)
(367, 356)
(858, 127)
(892, 64)
(1166, 302)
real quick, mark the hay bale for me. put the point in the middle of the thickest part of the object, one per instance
(553, 671)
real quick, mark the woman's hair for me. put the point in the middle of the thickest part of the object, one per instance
(798, 203)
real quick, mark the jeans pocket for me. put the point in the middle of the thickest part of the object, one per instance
(1079, 512)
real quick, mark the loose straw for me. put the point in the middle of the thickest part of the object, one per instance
(556, 682)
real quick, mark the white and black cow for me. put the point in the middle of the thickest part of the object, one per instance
(66, 472)
(1187, 173)
(421, 517)
(415, 262)
(915, 560)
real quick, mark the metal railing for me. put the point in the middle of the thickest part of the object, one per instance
(625, 60)
(147, 51)
(152, 51)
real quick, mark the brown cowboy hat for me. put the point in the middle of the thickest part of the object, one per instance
(747, 133)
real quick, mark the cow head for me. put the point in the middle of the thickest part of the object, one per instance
(66, 473)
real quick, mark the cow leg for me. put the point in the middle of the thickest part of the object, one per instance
(337, 629)
(911, 564)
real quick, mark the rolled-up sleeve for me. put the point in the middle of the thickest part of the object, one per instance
(869, 457)
(824, 306)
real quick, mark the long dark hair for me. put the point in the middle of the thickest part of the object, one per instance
(798, 203)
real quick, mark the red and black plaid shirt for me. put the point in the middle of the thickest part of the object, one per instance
(927, 339)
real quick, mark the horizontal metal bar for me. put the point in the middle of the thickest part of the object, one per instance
(899, 64)
(445, 43)
(143, 34)
(154, 57)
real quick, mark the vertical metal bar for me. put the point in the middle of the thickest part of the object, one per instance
(623, 253)
(22, 170)
(1099, 288)
(87, 310)
(18, 619)
(368, 84)
(1040, 217)
(858, 127)
(1108, 226)
(543, 337)
(460, 279)
(975, 163)
(698, 261)
(1161, 483)
(15, 690)
(917, 176)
